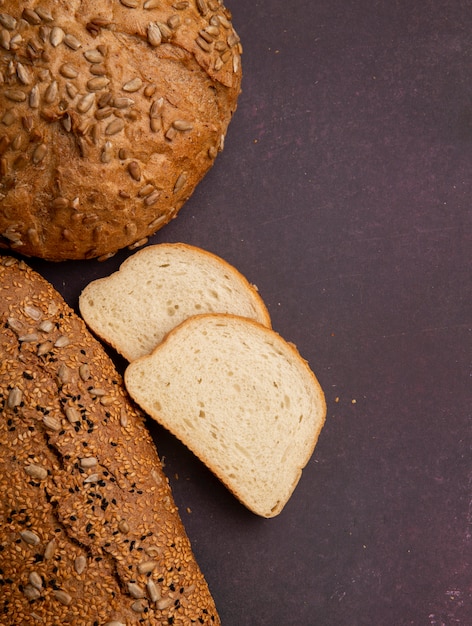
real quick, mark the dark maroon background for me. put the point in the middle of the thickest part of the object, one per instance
(345, 194)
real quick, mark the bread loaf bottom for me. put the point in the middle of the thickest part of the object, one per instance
(90, 534)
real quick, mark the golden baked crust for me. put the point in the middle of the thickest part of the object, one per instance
(111, 112)
(89, 532)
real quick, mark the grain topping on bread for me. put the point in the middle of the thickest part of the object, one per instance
(241, 398)
(89, 531)
(159, 287)
(111, 112)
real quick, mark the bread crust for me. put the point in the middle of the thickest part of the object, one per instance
(111, 112)
(90, 533)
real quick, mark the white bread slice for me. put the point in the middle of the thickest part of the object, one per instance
(241, 398)
(158, 288)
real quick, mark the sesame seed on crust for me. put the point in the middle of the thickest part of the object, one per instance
(79, 542)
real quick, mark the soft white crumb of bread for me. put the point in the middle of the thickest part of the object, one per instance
(158, 288)
(241, 398)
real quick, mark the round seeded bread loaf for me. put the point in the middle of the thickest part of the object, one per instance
(89, 531)
(111, 112)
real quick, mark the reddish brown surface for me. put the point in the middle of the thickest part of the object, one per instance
(344, 193)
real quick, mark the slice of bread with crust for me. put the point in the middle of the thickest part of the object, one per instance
(241, 398)
(158, 288)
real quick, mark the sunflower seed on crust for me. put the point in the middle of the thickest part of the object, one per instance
(31, 593)
(8, 21)
(36, 471)
(133, 85)
(57, 36)
(85, 103)
(30, 537)
(68, 71)
(115, 127)
(31, 16)
(72, 42)
(80, 564)
(154, 35)
(62, 596)
(93, 56)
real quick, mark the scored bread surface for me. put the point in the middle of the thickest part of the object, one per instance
(241, 398)
(90, 534)
(111, 112)
(159, 287)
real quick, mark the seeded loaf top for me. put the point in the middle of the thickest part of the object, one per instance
(89, 532)
(111, 112)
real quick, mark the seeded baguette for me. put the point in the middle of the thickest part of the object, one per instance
(241, 398)
(111, 112)
(159, 287)
(89, 531)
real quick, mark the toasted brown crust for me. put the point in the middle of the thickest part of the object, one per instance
(111, 112)
(89, 531)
